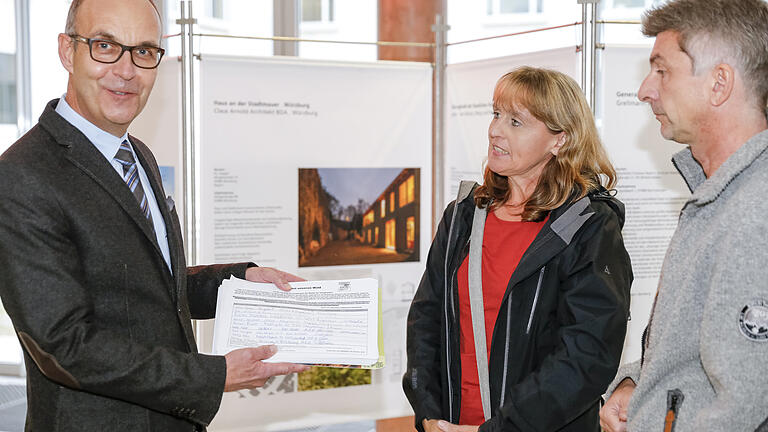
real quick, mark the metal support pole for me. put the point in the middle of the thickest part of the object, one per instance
(588, 50)
(438, 120)
(188, 131)
(593, 56)
(23, 85)
(584, 47)
(286, 24)
(192, 156)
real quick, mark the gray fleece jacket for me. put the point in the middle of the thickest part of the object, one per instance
(706, 347)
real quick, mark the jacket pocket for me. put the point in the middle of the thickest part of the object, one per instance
(535, 300)
(674, 401)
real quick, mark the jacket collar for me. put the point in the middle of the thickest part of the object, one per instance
(555, 235)
(705, 190)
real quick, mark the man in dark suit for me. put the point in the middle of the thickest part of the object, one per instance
(91, 257)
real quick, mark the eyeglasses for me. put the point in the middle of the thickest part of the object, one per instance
(107, 51)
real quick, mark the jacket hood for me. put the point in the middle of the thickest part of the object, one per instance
(608, 196)
(466, 197)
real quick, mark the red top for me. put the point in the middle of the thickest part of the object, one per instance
(504, 243)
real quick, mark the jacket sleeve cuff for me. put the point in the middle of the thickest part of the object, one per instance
(238, 269)
(496, 424)
(208, 402)
(629, 370)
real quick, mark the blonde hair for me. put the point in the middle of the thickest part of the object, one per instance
(581, 164)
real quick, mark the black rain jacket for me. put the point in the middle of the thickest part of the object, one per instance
(559, 335)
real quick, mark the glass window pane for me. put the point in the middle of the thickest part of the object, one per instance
(217, 9)
(410, 233)
(513, 6)
(10, 351)
(411, 189)
(347, 20)
(7, 88)
(490, 7)
(7, 62)
(311, 10)
(629, 3)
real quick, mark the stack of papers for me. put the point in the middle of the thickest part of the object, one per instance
(328, 323)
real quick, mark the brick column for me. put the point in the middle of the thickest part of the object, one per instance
(407, 21)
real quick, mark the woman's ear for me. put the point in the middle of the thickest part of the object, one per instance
(562, 137)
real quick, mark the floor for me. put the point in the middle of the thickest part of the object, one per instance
(13, 409)
(13, 404)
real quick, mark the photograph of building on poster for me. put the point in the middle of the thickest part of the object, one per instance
(317, 378)
(358, 215)
(321, 378)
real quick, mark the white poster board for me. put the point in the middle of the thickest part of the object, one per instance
(649, 185)
(279, 137)
(469, 98)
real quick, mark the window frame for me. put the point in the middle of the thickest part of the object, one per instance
(610, 11)
(327, 22)
(496, 17)
(327, 13)
(21, 123)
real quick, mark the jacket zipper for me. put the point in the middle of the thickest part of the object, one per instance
(535, 300)
(448, 285)
(506, 354)
(674, 400)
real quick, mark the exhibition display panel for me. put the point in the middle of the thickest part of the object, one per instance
(325, 169)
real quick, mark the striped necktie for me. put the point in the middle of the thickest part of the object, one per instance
(131, 178)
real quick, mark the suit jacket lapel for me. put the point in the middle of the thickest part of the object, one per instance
(172, 228)
(78, 150)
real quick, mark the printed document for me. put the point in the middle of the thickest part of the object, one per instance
(335, 322)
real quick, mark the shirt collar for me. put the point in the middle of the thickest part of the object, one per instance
(104, 141)
(706, 190)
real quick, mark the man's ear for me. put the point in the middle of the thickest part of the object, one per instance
(562, 137)
(723, 81)
(66, 51)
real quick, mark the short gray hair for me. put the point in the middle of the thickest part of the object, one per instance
(719, 31)
(75, 6)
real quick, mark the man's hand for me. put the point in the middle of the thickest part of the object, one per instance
(450, 427)
(613, 415)
(430, 425)
(271, 275)
(245, 369)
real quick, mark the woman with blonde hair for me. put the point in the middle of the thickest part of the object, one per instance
(518, 323)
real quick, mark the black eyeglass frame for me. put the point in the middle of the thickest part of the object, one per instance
(123, 48)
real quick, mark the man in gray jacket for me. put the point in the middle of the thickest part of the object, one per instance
(705, 356)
